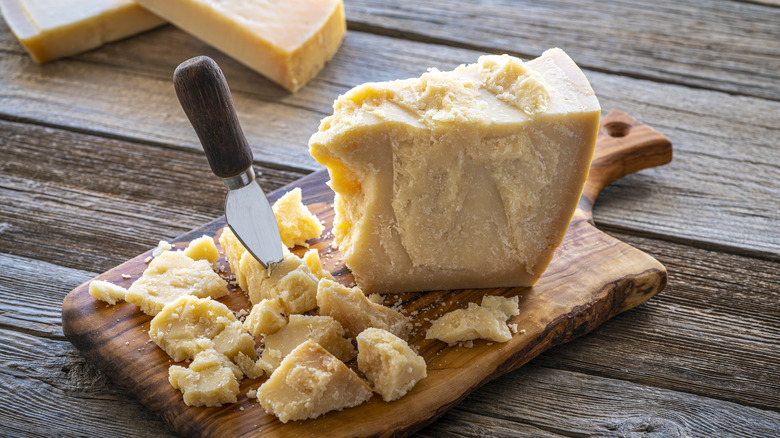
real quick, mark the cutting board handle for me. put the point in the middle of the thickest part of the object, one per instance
(624, 146)
(205, 98)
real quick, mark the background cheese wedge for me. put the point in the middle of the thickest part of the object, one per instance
(288, 41)
(50, 29)
(462, 179)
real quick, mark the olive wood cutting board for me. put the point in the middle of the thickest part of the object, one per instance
(592, 278)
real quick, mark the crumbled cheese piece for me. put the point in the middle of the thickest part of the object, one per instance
(252, 393)
(170, 276)
(310, 382)
(312, 260)
(296, 223)
(211, 380)
(324, 330)
(162, 246)
(105, 291)
(265, 318)
(290, 281)
(252, 368)
(487, 321)
(127, 276)
(190, 325)
(355, 312)
(202, 248)
(388, 362)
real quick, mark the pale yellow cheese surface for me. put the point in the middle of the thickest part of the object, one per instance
(170, 276)
(486, 321)
(388, 362)
(288, 41)
(190, 325)
(352, 308)
(50, 29)
(311, 382)
(296, 223)
(202, 248)
(290, 282)
(324, 330)
(233, 250)
(265, 318)
(211, 380)
(460, 179)
(108, 292)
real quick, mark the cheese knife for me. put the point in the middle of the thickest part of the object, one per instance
(205, 97)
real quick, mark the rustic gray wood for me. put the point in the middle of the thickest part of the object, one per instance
(725, 161)
(81, 140)
(719, 45)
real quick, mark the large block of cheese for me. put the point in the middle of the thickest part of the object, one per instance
(288, 41)
(461, 179)
(50, 29)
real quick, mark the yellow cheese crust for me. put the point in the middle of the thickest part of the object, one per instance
(288, 41)
(51, 29)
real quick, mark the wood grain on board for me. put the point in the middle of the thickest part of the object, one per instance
(591, 278)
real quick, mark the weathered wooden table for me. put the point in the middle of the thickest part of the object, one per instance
(98, 163)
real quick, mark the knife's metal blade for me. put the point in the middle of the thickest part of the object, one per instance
(252, 220)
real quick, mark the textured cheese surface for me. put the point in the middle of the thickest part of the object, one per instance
(105, 291)
(211, 380)
(50, 29)
(487, 321)
(288, 41)
(290, 282)
(459, 179)
(170, 276)
(388, 362)
(324, 330)
(265, 318)
(296, 223)
(190, 325)
(310, 382)
(352, 308)
(202, 248)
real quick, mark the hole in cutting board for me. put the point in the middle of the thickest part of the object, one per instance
(617, 129)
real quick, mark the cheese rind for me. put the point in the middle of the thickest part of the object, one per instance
(388, 362)
(310, 382)
(461, 179)
(170, 276)
(288, 41)
(50, 29)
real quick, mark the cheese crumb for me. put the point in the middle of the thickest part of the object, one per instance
(108, 292)
(487, 321)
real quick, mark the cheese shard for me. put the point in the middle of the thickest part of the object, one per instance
(288, 41)
(108, 292)
(170, 276)
(190, 325)
(296, 223)
(388, 362)
(352, 308)
(486, 321)
(202, 248)
(50, 29)
(324, 330)
(311, 382)
(211, 380)
(265, 318)
(461, 179)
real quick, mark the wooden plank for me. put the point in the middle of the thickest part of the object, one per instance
(91, 210)
(714, 331)
(719, 45)
(552, 401)
(48, 389)
(718, 138)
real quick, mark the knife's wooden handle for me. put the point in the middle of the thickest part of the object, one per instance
(205, 98)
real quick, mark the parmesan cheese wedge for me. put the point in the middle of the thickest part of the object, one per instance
(50, 29)
(461, 179)
(288, 41)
